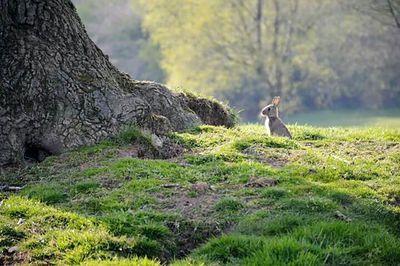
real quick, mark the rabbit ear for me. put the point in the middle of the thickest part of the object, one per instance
(276, 100)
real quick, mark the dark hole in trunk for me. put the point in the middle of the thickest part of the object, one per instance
(35, 154)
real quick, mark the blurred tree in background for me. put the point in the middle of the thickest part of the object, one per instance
(116, 27)
(385, 11)
(315, 54)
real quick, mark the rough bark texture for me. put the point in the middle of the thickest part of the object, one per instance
(58, 90)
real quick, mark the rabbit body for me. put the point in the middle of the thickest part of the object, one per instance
(277, 128)
(273, 124)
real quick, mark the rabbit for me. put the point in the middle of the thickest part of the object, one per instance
(273, 123)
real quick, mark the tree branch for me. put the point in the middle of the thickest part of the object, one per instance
(394, 13)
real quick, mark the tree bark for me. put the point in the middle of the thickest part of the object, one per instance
(58, 90)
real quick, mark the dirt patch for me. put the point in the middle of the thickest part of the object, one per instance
(169, 149)
(200, 187)
(129, 151)
(110, 183)
(255, 181)
(198, 207)
(13, 258)
(195, 206)
(165, 149)
(395, 201)
(275, 163)
(264, 157)
(195, 202)
(190, 234)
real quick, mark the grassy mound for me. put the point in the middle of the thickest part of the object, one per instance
(329, 196)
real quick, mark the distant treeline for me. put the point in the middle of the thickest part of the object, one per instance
(315, 54)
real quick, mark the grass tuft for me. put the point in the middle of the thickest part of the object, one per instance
(229, 248)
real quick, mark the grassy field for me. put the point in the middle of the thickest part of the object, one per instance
(330, 196)
(348, 118)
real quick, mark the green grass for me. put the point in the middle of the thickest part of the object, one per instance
(97, 206)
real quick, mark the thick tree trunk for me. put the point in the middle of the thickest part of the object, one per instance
(58, 90)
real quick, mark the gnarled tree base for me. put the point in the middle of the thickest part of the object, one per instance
(58, 90)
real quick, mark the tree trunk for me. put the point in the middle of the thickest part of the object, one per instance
(259, 46)
(58, 90)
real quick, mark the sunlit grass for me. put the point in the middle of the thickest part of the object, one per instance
(97, 207)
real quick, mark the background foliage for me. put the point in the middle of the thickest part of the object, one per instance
(315, 54)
